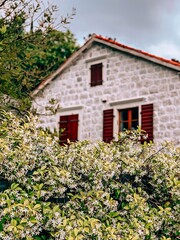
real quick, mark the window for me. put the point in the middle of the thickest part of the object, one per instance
(128, 119)
(116, 120)
(68, 128)
(96, 74)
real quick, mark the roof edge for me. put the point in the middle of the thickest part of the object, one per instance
(151, 57)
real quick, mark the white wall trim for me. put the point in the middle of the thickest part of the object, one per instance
(95, 59)
(71, 108)
(126, 101)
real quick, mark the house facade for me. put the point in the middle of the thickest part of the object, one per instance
(106, 87)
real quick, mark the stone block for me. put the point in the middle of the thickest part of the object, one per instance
(108, 90)
(89, 102)
(144, 91)
(164, 118)
(153, 89)
(84, 96)
(79, 79)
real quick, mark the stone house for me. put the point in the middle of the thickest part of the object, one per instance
(106, 87)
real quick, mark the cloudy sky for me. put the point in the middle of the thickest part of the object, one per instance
(149, 25)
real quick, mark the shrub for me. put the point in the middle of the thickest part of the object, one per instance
(85, 190)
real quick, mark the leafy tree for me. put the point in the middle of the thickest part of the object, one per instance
(26, 57)
(42, 59)
(122, 190)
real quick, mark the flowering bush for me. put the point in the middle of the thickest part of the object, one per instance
(122, 190)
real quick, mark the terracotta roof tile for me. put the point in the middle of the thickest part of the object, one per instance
(136, 50)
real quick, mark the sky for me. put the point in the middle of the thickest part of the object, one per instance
(149, 25)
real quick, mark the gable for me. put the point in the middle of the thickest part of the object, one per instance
(106, 44)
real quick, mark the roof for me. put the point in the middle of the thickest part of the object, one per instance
(113, 44)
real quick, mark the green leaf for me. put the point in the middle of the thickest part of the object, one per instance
(76, 231)
(14, 222)
(10, 228)
(3, 29)
(1, 224)
(37, 207)
(114, 214)
(20, 227)
(14, 186)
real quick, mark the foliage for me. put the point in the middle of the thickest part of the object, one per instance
(85, 190)
(30, 46)
(47, 54)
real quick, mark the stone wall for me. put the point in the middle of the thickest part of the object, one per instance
(125, 77)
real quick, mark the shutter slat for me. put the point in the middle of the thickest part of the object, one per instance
(147, 121)
(108, 125)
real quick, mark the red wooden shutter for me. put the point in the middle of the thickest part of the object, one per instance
(69, 125)
(96, 74)
(63, 129)
(93, 75)
(147, 120)
(73, 125)
(108, 125)
(99, 73)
